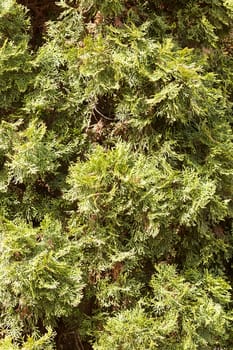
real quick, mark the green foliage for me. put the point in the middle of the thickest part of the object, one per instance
(149, 81)
(33, 343)
(15, 62)
(116, 160)
(32, 155)
(41, 280)
(181, 314)
(13, 23)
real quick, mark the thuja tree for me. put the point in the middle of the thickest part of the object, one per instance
(116, 165)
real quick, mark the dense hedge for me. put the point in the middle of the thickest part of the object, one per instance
(116, 175)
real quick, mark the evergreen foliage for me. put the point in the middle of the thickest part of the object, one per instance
(116, 168)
